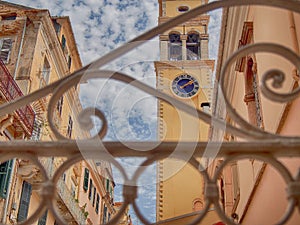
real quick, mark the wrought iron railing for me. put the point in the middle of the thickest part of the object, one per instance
(11, 91)
(262, 145)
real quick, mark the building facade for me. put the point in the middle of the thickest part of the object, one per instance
(184, 72)
(252, 191)
(36, 50)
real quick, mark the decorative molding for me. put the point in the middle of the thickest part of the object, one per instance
(246, 38)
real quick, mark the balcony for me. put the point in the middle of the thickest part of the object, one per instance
(68, 207)
(11, 91)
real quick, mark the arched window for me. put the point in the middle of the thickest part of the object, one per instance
(193, 46)
(197, 204)
(46, 70)
(175, 47)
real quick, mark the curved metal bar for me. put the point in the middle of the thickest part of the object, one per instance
(253, 48)
(76, 76)
(109, 150)
(283, 171)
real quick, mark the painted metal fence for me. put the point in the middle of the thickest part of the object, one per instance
(263, 146)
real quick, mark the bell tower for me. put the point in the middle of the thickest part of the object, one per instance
(184, 72)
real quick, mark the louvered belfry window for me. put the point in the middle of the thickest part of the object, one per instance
(175, 47)
(193, 46)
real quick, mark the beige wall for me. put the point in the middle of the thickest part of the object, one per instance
(262, 191)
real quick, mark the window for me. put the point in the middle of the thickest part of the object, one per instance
(64, 176)
(193, 46)
(70, 127)
(183, 8)
(37, 130)
(46, 71)
(90, 189)
(63, 42)
(86, 179)
(235, 182)
(104, 214)
(73, 190)
(5, 172)
(24, 201)
(107, 185)
(175, 47)
(5, 48)
(197, 204)
(97, 204)
(69, 62)
(57, 26)
(94, 196)
(43, 219)
(9, 17)
(59, 105)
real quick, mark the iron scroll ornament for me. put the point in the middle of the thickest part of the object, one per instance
(58, 88)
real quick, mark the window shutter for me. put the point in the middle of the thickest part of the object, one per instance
(24, 202)
(86, 179)
(6, 49)
(37, 130)
(5, 172)
(63, 42)
(43, 219)
(90, 189)
(104, 214)
(94, 196)
(107, 185)
(97, 204)
(69, 62)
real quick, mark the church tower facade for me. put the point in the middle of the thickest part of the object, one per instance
(184, 72)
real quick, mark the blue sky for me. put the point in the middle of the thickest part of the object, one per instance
(100, 26)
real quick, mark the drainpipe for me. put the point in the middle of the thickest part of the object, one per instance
(20, 49)
(8, 191)
(294, 42)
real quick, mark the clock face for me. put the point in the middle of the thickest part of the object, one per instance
(185, 86)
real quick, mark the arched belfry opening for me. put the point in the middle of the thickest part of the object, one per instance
(193, 46)
(175, 46)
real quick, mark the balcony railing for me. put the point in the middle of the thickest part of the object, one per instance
(64, 194)
(70, 203)
(11, 91)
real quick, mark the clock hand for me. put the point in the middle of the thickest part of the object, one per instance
(186, 84)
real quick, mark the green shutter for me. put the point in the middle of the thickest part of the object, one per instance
(86, 179)
(5, 173)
